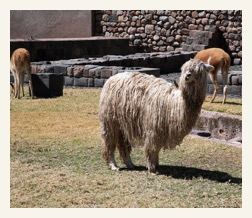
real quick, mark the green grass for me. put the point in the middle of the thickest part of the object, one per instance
(56, 162)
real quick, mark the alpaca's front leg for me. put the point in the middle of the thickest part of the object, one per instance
(124, 148)
(112, 164)
(152, 160)
(109, 155)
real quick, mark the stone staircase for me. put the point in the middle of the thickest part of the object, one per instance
(199, 40)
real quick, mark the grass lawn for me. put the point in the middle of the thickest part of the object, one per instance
(56, 162)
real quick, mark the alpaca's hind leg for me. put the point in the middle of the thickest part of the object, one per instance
(213, 77)
(152, 160)
(124, 149)
(108, 154)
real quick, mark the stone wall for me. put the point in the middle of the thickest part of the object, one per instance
(93, 72)
(168, 30)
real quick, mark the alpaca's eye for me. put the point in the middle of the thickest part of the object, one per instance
(188, 75)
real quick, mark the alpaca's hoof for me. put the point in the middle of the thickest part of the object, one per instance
(155, 173)
(114, 167)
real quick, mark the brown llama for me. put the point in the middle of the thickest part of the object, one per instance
(219, 59)
(19, 65)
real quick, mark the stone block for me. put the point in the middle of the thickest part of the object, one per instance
(87, 68)
(60, 69)
(40, 68)
(33, 68)
(240, 79)
(78, 71)
(70, 71)
(90, 82)
(234, 79)
(220, 125)
(106, 73)
(98, 82)
(235, 91)
(49, 68)
(47, 85)
(69, 81)
(81, 82)
(198, 47)
(95, 72)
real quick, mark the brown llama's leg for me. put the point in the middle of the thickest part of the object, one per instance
(213, 77)
(224, 72)
(17, 85)
(22, 82)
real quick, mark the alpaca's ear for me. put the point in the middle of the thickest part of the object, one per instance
(209, 67)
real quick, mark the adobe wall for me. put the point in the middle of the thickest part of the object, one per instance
(27, 24)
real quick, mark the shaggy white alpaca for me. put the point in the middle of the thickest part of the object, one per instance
(139, 109)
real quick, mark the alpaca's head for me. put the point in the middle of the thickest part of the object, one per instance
(195, 71)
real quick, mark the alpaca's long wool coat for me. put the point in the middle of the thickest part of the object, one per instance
(149, 111)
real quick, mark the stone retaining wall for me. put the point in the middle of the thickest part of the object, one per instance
(220, 125)
(168, 30)
(93, 72)
(86, 75)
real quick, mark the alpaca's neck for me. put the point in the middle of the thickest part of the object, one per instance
(194, 97)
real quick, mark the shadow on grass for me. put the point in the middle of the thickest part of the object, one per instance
(189, 173)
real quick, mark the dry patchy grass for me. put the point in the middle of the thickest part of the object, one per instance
(56, 162)
(232, 105)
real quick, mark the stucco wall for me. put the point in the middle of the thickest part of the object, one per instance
(25, 24)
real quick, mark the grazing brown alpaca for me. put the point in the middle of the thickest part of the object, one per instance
(219, 59)
(19, 65)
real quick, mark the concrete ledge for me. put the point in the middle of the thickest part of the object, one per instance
(221, 125)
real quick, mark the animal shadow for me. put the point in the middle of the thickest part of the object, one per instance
(189, 173)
